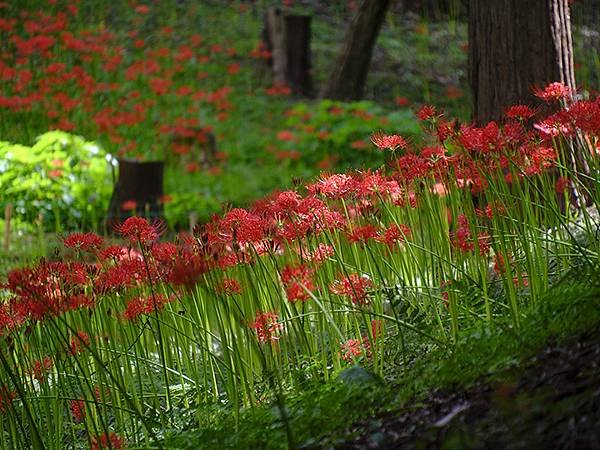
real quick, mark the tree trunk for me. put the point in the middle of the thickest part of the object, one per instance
(288, 38)
(515, 46)
(349, 74)
(138, 191)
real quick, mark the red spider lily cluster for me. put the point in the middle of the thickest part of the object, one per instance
(316, 249)
(346, 203)
(267, 326)
(6, 398)
(355, 349)
(354, 286)
(107, 440)
(117, 86)
(145, 305)
(77, 408)
(297, 282)
(351, 350)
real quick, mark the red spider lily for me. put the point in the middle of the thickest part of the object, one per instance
(393, 235)
(354, 286)
(427, 112)
(40, 367)
(10, 317)
(101, 395)
(77, 408)
(463, 235)
(519, 112)
(239, 226)
(411, 167)
(484, 139)
(377, 327)
(83, 241)
(233, 259)
(267, 326)
(277, 89)
(106, 441)
(296, 280)
(286, 202)
(537, 158)
(129, 205)
(142, 9)
(445, 288)
(553, 91)
(285, 136)
(126, 273)
(495, 208)
(160, 86)
(499, 263)
(522, 281)
(295, 230)
(45, 290)
(434, 153)
(321, 253)
(372, 185)
(6, 398)
(192, 167)
(562, 184)
(553, 126)
(145, 305)
(391, 142)
(585, 115)
(333, 186)
(233, 68)
(230, 286)
(184, 53)
(164, 252)
(362, 234)
(139, 230)
(351, 350)
(79, 342)
(359, 144)
(464, 240)
(112, 252)
(444, 129)
(186, 271)
(402, 101)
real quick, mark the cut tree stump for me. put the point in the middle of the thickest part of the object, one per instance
(138, 191)
(288, 38)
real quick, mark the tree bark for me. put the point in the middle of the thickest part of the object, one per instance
(288, 38)
(514, 47)
(349, 73)
(141, 184)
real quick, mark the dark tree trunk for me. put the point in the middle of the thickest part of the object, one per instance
(515, 46)
(138, 191)
(288, 38)
(349, 73)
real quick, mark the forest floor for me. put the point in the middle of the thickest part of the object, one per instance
(550, 401)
